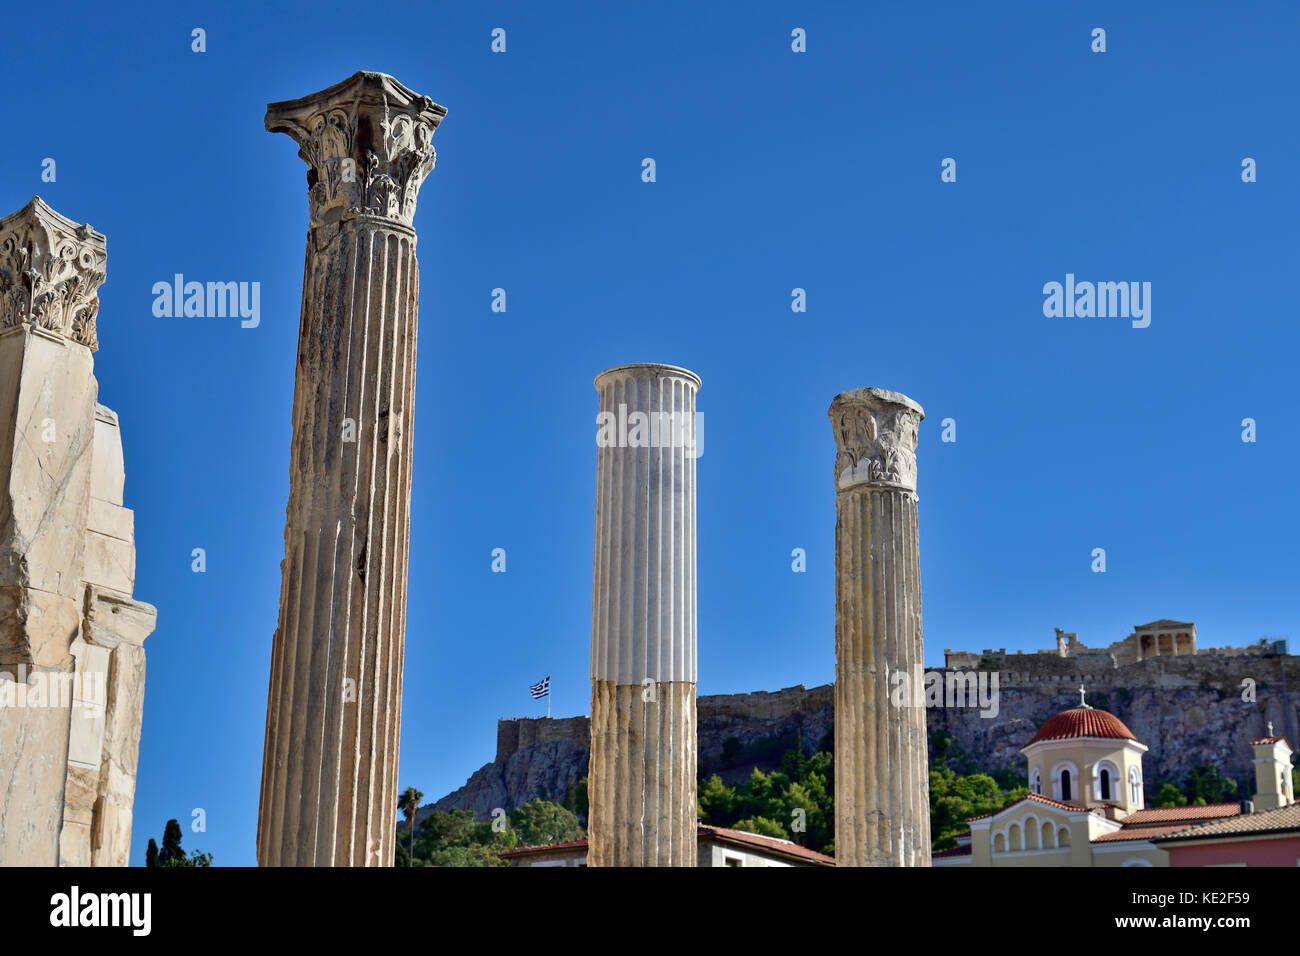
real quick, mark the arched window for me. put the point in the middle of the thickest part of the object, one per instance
(1013, 837)
(1049, 832)
(1134, 787)
(1036, 781)
(999, 843)
(1105, 781)
(1063, 836)
(1031, 833)
(1064, 775)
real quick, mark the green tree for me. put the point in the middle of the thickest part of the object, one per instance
(1170, 796)
(796, 802)
(1206, 785)
(172, 852)
(409, 803)
(540, 822)
(716, 801)
(762, 826)
(455, 838)
(954, 799)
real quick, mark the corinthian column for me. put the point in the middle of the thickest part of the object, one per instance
(882, 800)
(641, 780)
(329, 768)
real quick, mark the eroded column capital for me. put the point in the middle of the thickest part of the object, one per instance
(368, 143)
(51, 269)
(875, 437)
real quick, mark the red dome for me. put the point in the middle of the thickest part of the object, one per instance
(1083, 722)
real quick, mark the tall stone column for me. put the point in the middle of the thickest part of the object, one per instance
(329, 767)
(71, 635)
(882, 802)
(641, 782)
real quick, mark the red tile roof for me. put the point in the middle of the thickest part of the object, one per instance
(1036, 798)
(955, 851)
(1137, 833)
(772, 844)
(1280, 820)
(1083, 722)
(1270, 740)
(720, 834)
(544, 848)
(1159, 821)
(1161, 815)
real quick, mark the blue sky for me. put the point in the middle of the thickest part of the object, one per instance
(775, 171)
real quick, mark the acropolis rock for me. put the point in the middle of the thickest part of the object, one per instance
(329, 766)
(71, 636)
(642, 779)
(882, 803)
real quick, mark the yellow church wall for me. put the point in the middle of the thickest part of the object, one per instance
(1121, 853)
(1027, 835)
(1084, 758)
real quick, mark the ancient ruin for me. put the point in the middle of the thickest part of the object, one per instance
(71, 636)
(642, 782)
(329, 769)
(882, 804)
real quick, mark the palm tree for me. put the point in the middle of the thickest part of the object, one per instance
(408, 803)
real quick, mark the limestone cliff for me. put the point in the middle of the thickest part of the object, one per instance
(543, 757)
(1188, 710)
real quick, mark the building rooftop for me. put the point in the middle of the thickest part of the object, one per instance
(1035, 798)
(773, 845)
(1083, 722)
(1282, 820)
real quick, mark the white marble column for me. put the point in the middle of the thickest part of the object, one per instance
(71, 635)
(641, 781)
(882, 803)
(329, 767)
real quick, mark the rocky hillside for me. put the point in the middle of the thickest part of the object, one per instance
(543, 757)
(1188, 710)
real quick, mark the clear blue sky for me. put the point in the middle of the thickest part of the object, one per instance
(775, 170)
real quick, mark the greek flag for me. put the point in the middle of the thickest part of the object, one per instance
(542, 689)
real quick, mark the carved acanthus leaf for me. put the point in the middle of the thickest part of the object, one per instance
(368, 143)
(875, 438)
(50, 273)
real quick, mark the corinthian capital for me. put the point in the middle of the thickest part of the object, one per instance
(368, 143)
(875, 437)
(51, 269)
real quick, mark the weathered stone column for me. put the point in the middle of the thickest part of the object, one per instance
(329, 767)
(641, 782)
(71, 636)
(882, 803)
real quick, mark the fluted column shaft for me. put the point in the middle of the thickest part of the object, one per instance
(882, 812)
(641, 782)
(329, 774)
